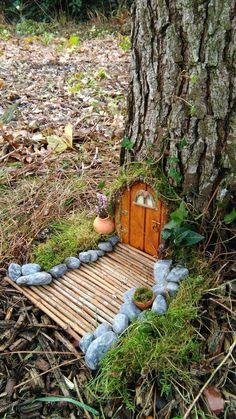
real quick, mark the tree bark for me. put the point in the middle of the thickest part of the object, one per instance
(181, 105)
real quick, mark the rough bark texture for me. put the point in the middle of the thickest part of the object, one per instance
(182, 92)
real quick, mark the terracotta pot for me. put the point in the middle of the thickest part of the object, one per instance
(143, 306)
(103, 225)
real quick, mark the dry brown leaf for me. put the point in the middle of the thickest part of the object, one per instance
(214, 399)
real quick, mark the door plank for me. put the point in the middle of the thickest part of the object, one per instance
(152, 227)
(137, 219)
(125, 216)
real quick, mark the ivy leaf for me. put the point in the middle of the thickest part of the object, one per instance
(126, 143)
(180, 214)
(192, 237)
(165, 234)
(73, 40)
(229, 218)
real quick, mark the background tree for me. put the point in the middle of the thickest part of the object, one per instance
(181, 107)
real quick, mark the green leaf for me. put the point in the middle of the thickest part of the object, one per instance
(73, 40)
(180, 214)
(52, 399)
(126, 143)
(183, 142)
(101, 185)
(165, 234)
(192, 237)
(229, 218)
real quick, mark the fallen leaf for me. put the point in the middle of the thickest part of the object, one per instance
(2, 84)
(214, 399)
(68, 135)
(56, 143)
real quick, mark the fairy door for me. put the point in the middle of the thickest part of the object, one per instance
(140, 218)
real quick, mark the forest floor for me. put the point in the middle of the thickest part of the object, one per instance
(62, 116)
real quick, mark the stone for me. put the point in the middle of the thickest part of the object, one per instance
(120, 323)
(84, 257)
(160, 288)
(101, 329)
(159, 305)
(161, 270)
(38, 278)
(85, 341)
(100, 253)
(143, 315)
(14, 271)
(30, 268)
(98, 348)
(172, 288)
(113, 240)
(177, 273)
(130, 310)
(105, 246)
(72, 262)
(93, 254)
(58, 270)
(128, 295)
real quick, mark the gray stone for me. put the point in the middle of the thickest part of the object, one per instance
(30, 268)
(85, 341)
(119, 323)
(128, 295)
(161, 270)
(58, 270)
(85, 257)
(159, 305)
(14, 271)
(39, 278)
(105, 246)
(72, 262)
(160, 288)
(130, 310)
(94, 255)
(101, 329)
(98, 348)
(113, 240)
(172, 288)
(143, 315)
(177, 273)
(100, 253)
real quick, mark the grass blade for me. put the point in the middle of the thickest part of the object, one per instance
(51, 399)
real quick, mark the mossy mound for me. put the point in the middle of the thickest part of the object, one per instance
(143, 294)
(68, 238)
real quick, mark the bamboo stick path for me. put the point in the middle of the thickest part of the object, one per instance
(84, 297)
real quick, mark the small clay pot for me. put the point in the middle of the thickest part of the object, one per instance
(143, 306)
(103, 225)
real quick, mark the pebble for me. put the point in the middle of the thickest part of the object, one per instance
(14, 271)
(85, 341)
(101, 329)
(128, 295)
(172, 288)
(38, 278)
(130, 310)
(114, 240)
(105, 246)
(30, 268)
(58, 270)
(94, 255)
(100, 253)
(98, 348)
(85, 257)
(177, 273)
(160, 288)
(161, 270)
(159, 305)
(120, 323)
(72, 262)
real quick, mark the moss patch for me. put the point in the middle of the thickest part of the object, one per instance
(158, 345)
(69, 236)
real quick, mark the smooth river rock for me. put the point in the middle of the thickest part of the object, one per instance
(105, 246)
(30, 268)
(98, 348)
(172, 288)
(128, 295)
(161, 270)
(120, 323)
(160, 288)
(58, 270)
(72, 262)
(159, 305)
(101, 329)
(113, 240)
(130, 310)
(100, 253)
(93, 254)
(39, 278)
(177, 273)
(85, 257)
(85, 341)
(14, 271)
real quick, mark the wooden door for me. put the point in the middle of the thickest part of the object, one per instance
(140, 217)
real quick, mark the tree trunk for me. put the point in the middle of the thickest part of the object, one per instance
(181, 105)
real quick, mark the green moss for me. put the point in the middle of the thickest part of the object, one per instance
(157, 345)
(69, 236)
(143, 294)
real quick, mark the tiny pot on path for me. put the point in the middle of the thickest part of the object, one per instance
(103, 225)
(140, 298)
